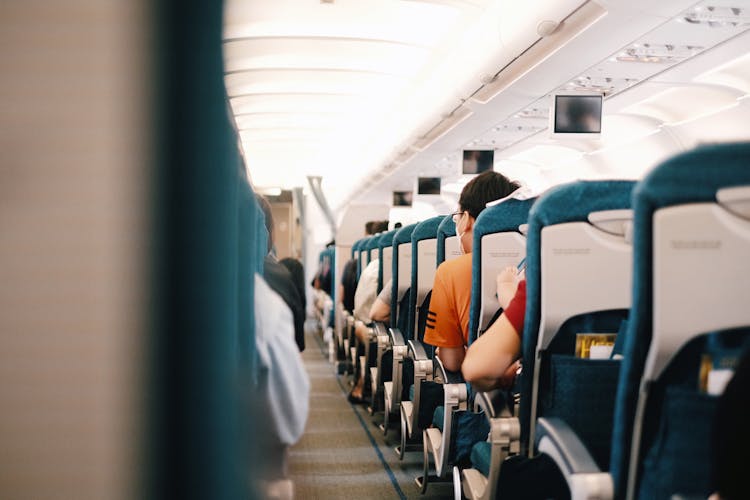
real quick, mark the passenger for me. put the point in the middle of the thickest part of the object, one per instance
(369, 306)
(492, 359)
(492, 362)
(280, 280)
(282, 387)
(297, 271)
(349, 279)
(364, 297)
(447, 325)
(348, 285)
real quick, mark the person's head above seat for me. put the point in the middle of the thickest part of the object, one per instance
(482, 189)
(376, 226)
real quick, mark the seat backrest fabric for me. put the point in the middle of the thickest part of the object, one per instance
(566, 203)
(688, 178)
(488, 259)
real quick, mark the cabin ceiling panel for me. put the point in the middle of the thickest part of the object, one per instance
(326, 88)
(310, 80)
(377, 56)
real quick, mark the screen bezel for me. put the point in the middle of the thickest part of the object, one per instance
(420, 181)
(577, 134)
(463, 161)
(402, 193)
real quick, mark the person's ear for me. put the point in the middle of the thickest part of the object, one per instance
(469, 222)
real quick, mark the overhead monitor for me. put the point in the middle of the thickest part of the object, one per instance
(428, 185)
(576, 114)
(402, 198)
(476, 161)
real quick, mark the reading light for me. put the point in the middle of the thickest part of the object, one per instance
(658, 53)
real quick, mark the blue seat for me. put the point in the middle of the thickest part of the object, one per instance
(569, 203)
(662, 420)
(690, 219)
(357, 249)
(372, 245)
(391, 344)
(497, 243)
(417, 366)
(447, 242)
(385, 256)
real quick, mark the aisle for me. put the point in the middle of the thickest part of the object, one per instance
(342, 453)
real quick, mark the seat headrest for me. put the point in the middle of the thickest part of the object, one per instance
(427, 229)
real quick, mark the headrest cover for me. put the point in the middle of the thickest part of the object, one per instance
(427, 229)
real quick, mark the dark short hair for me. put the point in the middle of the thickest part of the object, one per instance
(376, 226)
(484, 188)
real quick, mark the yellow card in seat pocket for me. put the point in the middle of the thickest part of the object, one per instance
(595, 345)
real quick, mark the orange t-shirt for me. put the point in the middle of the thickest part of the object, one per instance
(448, 318)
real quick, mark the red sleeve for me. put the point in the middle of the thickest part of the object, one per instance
(516, 310)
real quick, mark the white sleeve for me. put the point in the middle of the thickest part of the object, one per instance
(283, 384)
(367, 291)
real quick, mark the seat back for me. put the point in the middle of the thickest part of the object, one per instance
(360, 245)
(363, 257)
(691, 277)
(250, 262)
(567, 204)
(423, 259)
(585, 289)
(496, 245)
(385, 256)
(401, 272)
(373, 243)
(447, 241)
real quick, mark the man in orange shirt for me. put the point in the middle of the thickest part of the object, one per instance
(448, 318)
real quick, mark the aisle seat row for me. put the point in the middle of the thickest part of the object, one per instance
(635, 311)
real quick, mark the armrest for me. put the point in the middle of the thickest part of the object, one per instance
(397, 338)
(557, 439)
(447, 376)
(380, 329)
(494, 403)
(417, 350)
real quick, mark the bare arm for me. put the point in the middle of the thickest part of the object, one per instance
(490, 357)
(507, 283)
(380, 311)
(452, 357)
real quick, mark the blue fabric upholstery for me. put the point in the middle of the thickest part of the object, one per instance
(373, 243)
(355, 248)
(261, 241)
(689, 177)
(386, 240)
(425, 230)
(566, 203)
(504, 217)
(581, 391)
(403, 235)
(206, 223)
(361, 251)
(248, 265)
(438, 417)
(446, 229)
(481, 455)
(467, 429)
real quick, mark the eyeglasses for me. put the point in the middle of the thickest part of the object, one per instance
(456, 216)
